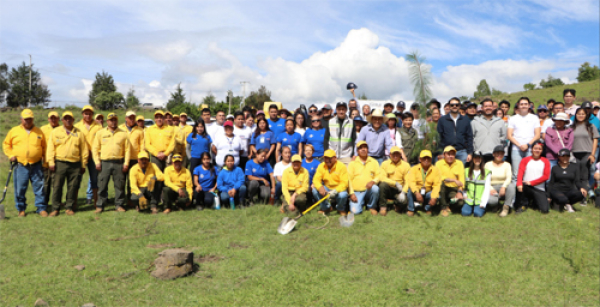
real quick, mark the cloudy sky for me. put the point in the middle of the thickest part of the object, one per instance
(303, 51)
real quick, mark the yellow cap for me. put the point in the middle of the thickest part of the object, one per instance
(53, 113)
(425, 153)
(98, 115)
(129, 113)
(329, 153)
(168, 113)
(139, 117)
(88, 107)
(175, 116)
(67, 113)
(27, 113)
(111, 116)
(391, 116)
(177, 158)
(183, 114)
(159, 112)
(395, 149)
(143, 154)
(296, 158)
(377, 113)
(449, 148)
(361, 143)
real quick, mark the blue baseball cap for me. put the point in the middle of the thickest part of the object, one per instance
(360, 119)
(401, 104)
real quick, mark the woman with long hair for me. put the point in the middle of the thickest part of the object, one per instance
(230, 182)
(289, 139)
(502, 185)
(531, 180)
(566, 186)
(300, 123)
(280, 167)
(259, 176)
(394, 131)
(263, 138)
(478, 185)
(315, 136)
(205, 182)
(250, 124)
(229, 144)
(198, 142)
(585, 142)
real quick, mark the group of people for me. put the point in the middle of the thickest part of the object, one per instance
(479, 159)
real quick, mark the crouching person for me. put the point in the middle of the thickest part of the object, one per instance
(178, 185)
(294, 186)
(423, 185)
(142, 178)
(453, 176)
(331, 178)
(363, 174)
(392, 178)
(479, 187)
(230, 182)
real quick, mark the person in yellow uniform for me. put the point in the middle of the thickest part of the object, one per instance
(294, 186)
(178, 185)
(88, 126)
(53, 122)
(99, 118)
(453, 176)
(159, 140)
(140, 121)
(143, 177)
(135, 135)
(111, 151)
(25, 145)
(392, 179)
(363, 175)
(67, 155)
(423, 183)
(183, 131)
(331, 178)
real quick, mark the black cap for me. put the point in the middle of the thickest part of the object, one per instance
(586, 105)
(351, 85)
(434, 101)
(341, 104)
(401, 104)
(326, 107)
(472, 105)
(499, 148)
(477, 154)
(564, 152)
(313, 106)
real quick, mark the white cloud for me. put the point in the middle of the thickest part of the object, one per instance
(81, 94)
(489, 34)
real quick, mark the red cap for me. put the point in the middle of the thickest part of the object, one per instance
(228, 124)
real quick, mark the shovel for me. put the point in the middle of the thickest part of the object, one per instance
(288, 224)
(348, 220)
(12, 166)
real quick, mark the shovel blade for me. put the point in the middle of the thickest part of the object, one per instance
(286, 225)
(348, 220)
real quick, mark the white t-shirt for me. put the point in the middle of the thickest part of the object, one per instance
(244, 134)
(279, 168)
(300, 130)
(523, 127)
(227, 146)
(534, 170)
(215, 130)
(548, 122)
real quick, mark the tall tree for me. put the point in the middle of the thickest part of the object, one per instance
(104, 83)
(109, 100)
(18, 88)
(210, 100)
(588, 73)
(4, 85)
(483, 89)
(551, 82)
(177, 98)
(420, 77)
(529, 86)
(131, 101)
(257, 99)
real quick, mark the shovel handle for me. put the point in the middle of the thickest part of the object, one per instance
(316, 204)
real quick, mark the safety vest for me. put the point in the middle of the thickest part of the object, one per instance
(475, 187)
(340, 138)
(409, 138)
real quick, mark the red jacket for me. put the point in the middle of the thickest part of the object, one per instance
(523, 166)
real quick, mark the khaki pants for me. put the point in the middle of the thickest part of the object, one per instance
(69, 172)
(446, 194)
(170, 197)
(300, 203)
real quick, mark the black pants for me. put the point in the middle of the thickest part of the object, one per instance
(584, 167)
(204, 199)
(131, 164)
(242, 164)
(569, 197)
(538, 196)
(194, 162)
(171, 197)
(489, 157)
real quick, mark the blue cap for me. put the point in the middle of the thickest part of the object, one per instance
(542, 107)
(358, 118)
(401, 104)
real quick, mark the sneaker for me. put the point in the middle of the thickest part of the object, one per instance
(417, 204)
(520, 210)
(569, 208)
(98, 210)
(505, 210)
(43, 213)
(70, 212)
(373, 211)
(54, 213)
(21, 213)
(584, 202)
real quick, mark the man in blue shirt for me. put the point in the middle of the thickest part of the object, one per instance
(276, 124)
(377, 137)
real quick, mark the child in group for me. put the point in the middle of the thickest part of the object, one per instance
(409, 136)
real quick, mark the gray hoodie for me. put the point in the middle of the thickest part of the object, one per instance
(488, 134)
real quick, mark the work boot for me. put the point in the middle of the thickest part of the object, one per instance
(167, 211)
(326, 211)
(121, 209)
(154, 211)
(446, 211)
(343, 213)
(505, 210)
(70, 212)
(428, 212)
(373, 211)
(43, 213)
(21, 213)
(99, 210)
(383, 211)
(54, 213)
(410, 213)
(520, 210)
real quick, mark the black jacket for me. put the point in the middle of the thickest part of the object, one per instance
(460, 135)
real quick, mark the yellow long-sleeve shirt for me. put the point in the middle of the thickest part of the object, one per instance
(136, 140)
(67, 146)
(28, 147)
(139, 179)
(89, 133)
(334, 178)
(177, 180)
(455, 171)
(47, 130)
(360, 173)
(433, 180)
(159, 139)
(111, 145)
(180, 140)
(294, 182)
(391, 173)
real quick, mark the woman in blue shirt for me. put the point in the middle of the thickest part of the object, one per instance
(198, 142)
(205, 182)
(289, 139)
(230, 182)
(260, 177)
(263, 138)
(315, 136)
(310, 164)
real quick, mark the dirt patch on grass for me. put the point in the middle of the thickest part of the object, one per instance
(237, 245)
(208, 258)
(163, 245)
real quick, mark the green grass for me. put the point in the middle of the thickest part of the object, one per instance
(524, 260)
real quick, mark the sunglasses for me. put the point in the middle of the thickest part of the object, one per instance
(542, 111)
(454, 105)
(312, 110)
(316, 120)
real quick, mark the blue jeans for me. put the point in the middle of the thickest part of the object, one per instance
(367, 197)
(462, 156)
(553, 163)
(239, 195)
(21, 177)
(380, 159)
(341, 199)
(468, 210)
(93, 181)
(278, 191)
(517, 156)
(593, 170)
(412, 198)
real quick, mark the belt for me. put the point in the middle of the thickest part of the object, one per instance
(113, 161)
(29, 164)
